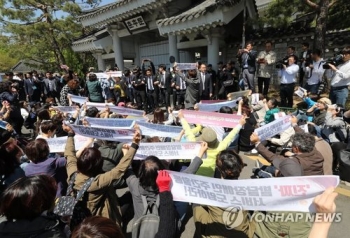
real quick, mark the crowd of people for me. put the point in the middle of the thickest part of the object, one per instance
(35, 182)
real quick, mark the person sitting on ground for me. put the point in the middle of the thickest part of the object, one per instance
(318, 111)
(335, 123)
(320, 144)
(271, 109)
(38, 152)
(47, 130)
(27, 204)
(305, 159)
(102, 199)
(215, 147)
(145, 183)
(209, 220)
(260, 108)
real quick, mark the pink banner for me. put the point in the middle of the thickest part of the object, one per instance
(212, 101)
(211, 118)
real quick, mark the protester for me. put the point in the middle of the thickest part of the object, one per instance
(70, 88)
(26, 204)
(101, 195)
(94, 89)
(319, 110)
(38, 152)
(271, 109)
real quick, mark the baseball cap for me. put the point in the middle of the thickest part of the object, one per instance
(288, 166)
(325, 101)
(209, 135)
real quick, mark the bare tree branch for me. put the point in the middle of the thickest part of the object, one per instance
(312, 4)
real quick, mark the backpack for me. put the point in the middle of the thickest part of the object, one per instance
(147, 225)
(73, 207)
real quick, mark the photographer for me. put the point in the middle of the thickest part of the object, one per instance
(314, 72)
(341, 79)
(288, 74)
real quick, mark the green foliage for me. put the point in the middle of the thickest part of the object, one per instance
(38, 33)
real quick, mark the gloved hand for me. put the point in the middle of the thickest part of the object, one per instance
(163, 181)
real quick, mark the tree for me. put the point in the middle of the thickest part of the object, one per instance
(38, 34)
(332, 13)
(6, 60)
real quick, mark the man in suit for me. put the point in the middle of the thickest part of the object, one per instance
(166, 85)
(205, 85)
(180, 86)
(139, 85)
(305, 61)
(151, 89)
(247, 58)
(50, 87)
(32, 88)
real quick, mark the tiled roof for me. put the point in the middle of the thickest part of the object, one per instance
(100, 10)
(197, 11)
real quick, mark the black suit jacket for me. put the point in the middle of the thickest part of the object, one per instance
(208, 86)
(154, 79)
(307, 59)
(251, 60)
(168, 81)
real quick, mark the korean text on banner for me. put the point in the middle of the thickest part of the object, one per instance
(273, 128)
(101, 76)
(123, 135)
(115, 74)
(126, 111)
(57, 145)
(212, 118)
(150, 129)
(273, 194)
(78, 99)
(168, 151)
(66, 109)
(110, 122)
(186, 66)
(235, 95)
(99, 106)
(216, 106)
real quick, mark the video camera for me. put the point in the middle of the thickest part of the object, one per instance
(336, 60)
(280, 63)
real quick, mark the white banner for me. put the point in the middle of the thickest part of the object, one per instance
(126, 111)
(115, 74)
(57, 145)
(238, 94)
(78, 99)
(124, 135)
(273, 128)
(271, 194)
(101, 76)
(300, 92)
(186, 66)
(110, 122)
(67, 109)
(255, 98)
(213, 107)
(99, 106)
(150, 129)
(168, 150)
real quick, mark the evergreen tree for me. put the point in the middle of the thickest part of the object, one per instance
(37, 31)
(332, 14)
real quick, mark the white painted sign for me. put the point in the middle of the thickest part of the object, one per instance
(273, 128)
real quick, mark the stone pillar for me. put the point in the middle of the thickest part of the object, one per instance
(173, 47)
(100, 61)
(117, 46)
(213, 49)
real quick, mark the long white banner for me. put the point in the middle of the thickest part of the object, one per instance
(273, 128)
(99, 106)
(57, 145)
(150, 129)
(126, 111)
(186, 66)
(124, 135)
(66, 109)
(78, 99)
(272, 194)
(168, 150)
(213, 107)
(110, 122)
